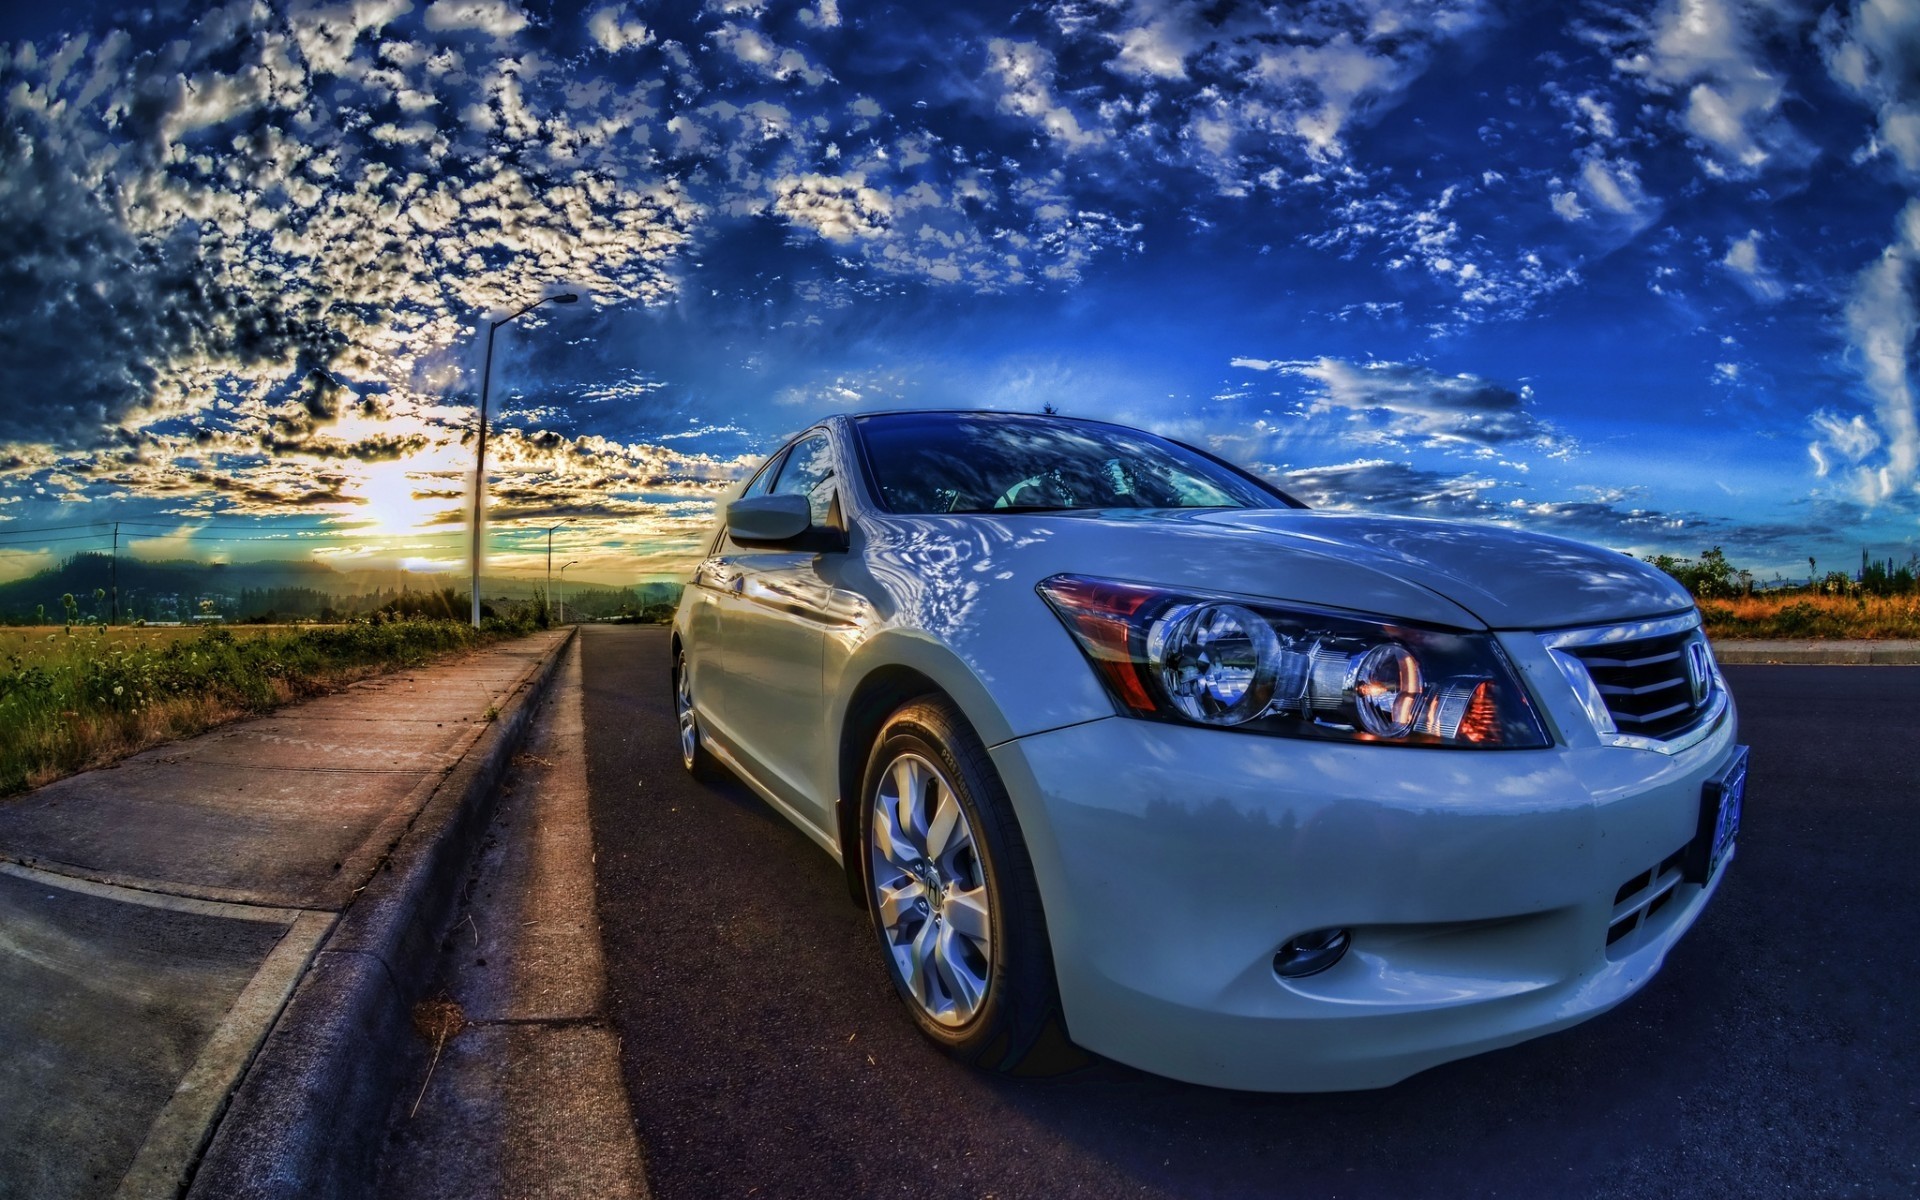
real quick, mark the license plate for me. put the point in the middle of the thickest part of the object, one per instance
(1720, 800)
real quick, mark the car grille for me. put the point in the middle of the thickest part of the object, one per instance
(1643, 906)
(1648, 685)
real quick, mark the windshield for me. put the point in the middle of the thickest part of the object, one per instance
(992, 462)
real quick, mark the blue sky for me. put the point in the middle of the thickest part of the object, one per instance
(1642, 275)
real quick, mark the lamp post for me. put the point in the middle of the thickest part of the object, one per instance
(480, 461)
(563, 524)
(563, 589)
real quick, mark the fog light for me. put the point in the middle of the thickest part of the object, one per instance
(1310, 953)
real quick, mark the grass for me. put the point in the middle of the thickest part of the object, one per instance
(74, 700)
(32, 642)
(1802, 615)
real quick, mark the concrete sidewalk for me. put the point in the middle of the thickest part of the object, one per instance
(1817, 652)
(156, 917)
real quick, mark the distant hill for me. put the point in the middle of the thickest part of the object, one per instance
(140, 582)
(176, 591)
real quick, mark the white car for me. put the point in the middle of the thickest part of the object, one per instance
(1119, 744)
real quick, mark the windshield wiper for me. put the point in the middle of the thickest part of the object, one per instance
(1017, 508)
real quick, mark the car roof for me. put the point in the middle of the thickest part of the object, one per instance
(976, 412)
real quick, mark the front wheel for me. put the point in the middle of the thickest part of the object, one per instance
(951, 892)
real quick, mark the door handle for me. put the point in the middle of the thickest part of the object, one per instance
(718, 575)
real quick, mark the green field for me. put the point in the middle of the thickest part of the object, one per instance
(40, 643)
(73, 700)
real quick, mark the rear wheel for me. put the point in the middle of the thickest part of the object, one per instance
(952, 896)
(694, 755)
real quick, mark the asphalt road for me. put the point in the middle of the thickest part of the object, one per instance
(1777, 1054)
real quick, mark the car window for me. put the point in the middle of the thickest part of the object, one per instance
(763, 479)
(808, 469)
(989, 462)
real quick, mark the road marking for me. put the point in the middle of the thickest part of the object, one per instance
(152, 899)
(180, 1134)
(185, 1124)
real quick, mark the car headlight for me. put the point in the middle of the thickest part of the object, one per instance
(1237, 663)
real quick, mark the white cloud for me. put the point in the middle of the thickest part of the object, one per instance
(1612, 185)
(238, 267)
(839, 208)
(1389, 402)
(1252, 95)
(1707, 55)
(1384, 485)
(1883, 318)
(1743, 262)
(824, 15)
(1025, 74)
(1852, 439)
(1605, 194)
(328, 34)
(759, 51)
(1155, 48)
(1429, 235)
(614, 28)
(496, 18)
(1567, 206)
(1598, 116)
(1872, 51)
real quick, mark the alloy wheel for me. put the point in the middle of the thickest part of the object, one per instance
(683, 706)
(930, 890)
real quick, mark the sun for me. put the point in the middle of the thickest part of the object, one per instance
(391, 507)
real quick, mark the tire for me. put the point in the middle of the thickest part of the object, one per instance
(694, 755)
(952, 897)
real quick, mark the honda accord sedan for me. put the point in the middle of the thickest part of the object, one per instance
(1121, 747)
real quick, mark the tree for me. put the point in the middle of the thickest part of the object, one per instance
(1710, 575)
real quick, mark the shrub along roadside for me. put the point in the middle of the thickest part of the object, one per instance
(82, 702)
(1801, 616)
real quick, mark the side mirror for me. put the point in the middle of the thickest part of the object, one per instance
(768, 520)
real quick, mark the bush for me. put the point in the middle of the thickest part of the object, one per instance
(1708, 576)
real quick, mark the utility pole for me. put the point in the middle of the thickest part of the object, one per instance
(113, 577)
(563, 589)
(480, 459)
(562, 525)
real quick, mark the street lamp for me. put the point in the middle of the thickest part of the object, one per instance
(563, 589)
(568, 521)
(480, 461)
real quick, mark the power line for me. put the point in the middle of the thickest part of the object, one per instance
(403, 539)
(181, 528)
(10, 530)
(90, 537)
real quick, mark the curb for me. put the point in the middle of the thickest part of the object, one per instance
(308, 1117)
(1844, 653)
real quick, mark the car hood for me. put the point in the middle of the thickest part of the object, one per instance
(1506, 578)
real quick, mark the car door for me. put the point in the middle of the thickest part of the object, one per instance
(773, 624)
(714, 580)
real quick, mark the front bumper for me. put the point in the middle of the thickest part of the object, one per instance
(1479, 887)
